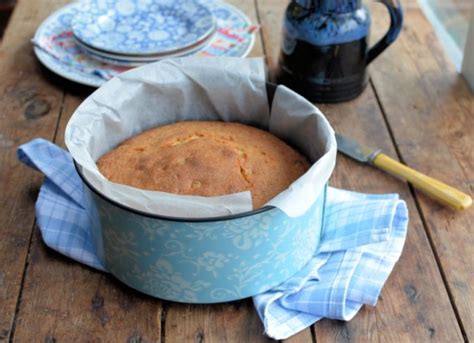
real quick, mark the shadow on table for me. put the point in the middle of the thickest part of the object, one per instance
(6, 9)
(70, 87)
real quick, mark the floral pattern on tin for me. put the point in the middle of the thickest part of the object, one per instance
(207, 261)
(162, 278)
(212, 262)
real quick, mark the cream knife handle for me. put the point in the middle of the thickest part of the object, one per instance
(434, 188)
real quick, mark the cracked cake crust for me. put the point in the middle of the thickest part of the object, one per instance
(205, 158)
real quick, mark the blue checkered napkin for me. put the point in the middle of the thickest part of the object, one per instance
(363, 238)
(63, 222)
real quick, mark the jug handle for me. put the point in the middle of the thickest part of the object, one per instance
(396, 21)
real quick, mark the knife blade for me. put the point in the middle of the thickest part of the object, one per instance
(355, 150)
(432, 187)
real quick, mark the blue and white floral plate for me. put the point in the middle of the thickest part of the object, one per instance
(145, 58)
(130, 60)
(144, 27)
(56, 48)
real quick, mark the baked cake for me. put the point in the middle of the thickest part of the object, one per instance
(205, 158)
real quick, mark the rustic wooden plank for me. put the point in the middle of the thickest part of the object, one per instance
(305, 336)
(28, 108)
(77, 303)
(431, 113)
(414, 304)
(230, 322)
(63, 301)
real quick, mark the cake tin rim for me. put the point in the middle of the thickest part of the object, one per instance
(169, 218)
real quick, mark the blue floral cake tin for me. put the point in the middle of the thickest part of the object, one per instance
(202, 259)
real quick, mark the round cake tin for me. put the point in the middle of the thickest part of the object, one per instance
(202, 260)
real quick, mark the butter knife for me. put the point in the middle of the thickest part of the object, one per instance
(434, 188)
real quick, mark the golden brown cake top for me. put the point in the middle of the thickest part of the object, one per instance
(206, 158)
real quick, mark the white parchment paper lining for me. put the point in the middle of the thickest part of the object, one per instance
(228, 89)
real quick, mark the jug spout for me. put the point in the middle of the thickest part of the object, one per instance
(330, 6)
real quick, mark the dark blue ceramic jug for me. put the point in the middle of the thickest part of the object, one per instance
(325, 47)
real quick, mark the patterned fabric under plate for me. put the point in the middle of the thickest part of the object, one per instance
(56, 47)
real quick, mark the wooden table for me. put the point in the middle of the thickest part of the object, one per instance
(416, 108)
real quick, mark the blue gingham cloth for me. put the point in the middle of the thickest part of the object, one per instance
(363, 238)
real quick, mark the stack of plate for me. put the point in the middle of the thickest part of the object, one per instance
(112, 36)
(135, 32)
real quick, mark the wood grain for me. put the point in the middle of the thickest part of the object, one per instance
(431, 113)
(29, 108)
(77, 303)
(415, 284)
(63, 301)
(230, 322)
(305, 336)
